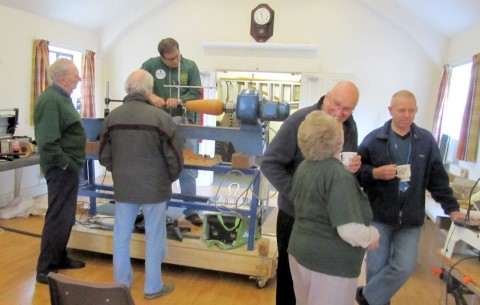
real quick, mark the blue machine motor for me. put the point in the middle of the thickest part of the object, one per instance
(251, 106)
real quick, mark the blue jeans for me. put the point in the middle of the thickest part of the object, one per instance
(188, 186)
(392, 263)
(188, 177)
(155, 243)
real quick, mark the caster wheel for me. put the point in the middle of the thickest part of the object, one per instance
(261, 283)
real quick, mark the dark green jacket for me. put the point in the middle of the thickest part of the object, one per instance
(140, 146)
(59, 131)
(164, 75)
(327, 196)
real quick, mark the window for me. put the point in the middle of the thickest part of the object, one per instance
(56, 53)
(456, 100)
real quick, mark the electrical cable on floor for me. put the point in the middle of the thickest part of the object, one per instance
(91, 221)
(20, 232)
(104, 200)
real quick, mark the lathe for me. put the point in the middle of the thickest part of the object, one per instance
(251, 109)
(257, 260)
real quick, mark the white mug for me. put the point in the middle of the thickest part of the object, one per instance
(346, 157)
(403, 172)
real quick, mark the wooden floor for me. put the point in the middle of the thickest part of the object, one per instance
(20, 242)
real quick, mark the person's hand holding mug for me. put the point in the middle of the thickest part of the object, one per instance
(403, 172)
(351, 161)
(385, 172)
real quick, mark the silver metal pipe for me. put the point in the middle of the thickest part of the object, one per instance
(197, 87)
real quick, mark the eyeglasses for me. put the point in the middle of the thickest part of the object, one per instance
(338, 106)
(176, 57)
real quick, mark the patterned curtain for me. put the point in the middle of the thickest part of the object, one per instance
(468, 142)
(441, 99)
(88, 85)
(40, 65)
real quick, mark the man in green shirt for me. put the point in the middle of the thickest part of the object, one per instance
(172, 69)
(61, 142)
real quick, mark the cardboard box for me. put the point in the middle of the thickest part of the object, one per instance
(242, 161)
(92, 148)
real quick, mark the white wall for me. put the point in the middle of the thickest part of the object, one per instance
(386, 52)
(18, 30)
(461, 48)
(464, 46)
(350, 38)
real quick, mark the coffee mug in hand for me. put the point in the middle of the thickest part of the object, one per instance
(403, 172)
(346, 157)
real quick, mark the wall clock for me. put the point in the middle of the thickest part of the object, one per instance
(261, 23)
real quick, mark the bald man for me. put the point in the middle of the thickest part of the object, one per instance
(282, 158)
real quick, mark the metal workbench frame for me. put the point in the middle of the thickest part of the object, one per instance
(93, 190)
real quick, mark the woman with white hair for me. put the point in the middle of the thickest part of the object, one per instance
(332, 218)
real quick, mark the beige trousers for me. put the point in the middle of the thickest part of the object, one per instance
(315, 288)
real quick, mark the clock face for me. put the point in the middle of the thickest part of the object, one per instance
(262, 16)
(261, 22)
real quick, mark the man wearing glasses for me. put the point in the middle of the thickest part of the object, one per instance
(282, 158)
(169, 70)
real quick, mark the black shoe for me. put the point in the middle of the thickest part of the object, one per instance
(195, 219)
(359, 297)
(42, 278)
(71, 263)
(166, 289)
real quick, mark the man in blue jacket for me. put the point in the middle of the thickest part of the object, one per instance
(398, 201)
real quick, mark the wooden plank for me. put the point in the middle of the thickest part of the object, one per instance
(259, 263)
(191, 158)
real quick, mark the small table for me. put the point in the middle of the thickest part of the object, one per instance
(17, 165)
(33, 159)
(458, 268)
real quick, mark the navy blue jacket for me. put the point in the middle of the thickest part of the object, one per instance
(283, 155)
(428, 173)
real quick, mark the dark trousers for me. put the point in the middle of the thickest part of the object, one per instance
(285, 292)
(60, 217)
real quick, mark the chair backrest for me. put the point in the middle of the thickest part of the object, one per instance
(68, 291)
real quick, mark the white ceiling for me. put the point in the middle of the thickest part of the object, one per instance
(447, 17)
(89, 14)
